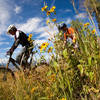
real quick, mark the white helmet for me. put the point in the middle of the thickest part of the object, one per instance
(11, 28)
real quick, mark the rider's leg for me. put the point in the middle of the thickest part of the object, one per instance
(26, 57)
(19, 57)
(23, 57)
(14, 63)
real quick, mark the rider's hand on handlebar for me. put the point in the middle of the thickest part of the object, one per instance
(9, 53)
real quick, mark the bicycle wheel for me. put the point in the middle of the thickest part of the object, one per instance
(6, 74)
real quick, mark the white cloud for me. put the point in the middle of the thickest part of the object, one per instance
(33, 25)
(4, 12)
(3, 43)
(33, 2)
(68, 21)
(68, 10)
(17, 9)
(47, 31)
(81, 15)
(2, 39)
(5, 49)
(3, 60)
(65, 10)
(4, 15)
(40, 41)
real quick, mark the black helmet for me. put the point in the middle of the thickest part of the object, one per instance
(60, 27)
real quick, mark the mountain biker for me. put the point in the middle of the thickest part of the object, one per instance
(20, 38)
(68, 33)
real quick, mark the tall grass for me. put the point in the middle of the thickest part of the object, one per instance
(72, 74)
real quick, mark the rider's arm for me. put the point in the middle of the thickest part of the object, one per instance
(14, 46)
(16, 42)
(65, 37)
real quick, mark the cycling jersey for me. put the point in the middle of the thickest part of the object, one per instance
(20, 38)
(69, 33)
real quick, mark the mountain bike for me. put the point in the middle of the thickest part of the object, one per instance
(7, 73)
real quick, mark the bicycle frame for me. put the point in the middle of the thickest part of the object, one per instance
(13, 62)
(8, 62)
(20, 64)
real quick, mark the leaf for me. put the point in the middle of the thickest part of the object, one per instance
(65, 54)
(91, 74)
(49, 73)
(43, 98)
(90, 61)
(82, 61)
(60, 33)
(80, 67)
(55, 64)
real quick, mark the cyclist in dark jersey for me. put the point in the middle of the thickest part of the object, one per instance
(20, 38)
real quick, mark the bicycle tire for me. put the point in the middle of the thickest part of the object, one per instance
(7, 73)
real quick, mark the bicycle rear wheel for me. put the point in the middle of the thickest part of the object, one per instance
(6, 74)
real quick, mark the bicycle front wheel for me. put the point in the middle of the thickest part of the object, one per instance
(6, 74)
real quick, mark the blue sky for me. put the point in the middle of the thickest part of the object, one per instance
(28, 17)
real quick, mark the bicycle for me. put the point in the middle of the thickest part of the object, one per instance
(6, 73)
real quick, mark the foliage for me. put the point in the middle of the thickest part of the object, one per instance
(93, 7)
(72, 73)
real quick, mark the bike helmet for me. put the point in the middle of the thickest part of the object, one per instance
(11, 28)
(60, 27)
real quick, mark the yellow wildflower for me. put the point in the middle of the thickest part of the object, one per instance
(93, 31)
(29, 39)
(52, 77)
(86, 24)
(52, 9)
(48, 13)
(30, 36)
(73, 41)
(63, 99)
(94, 90)
(48, 21)
(32, 90)
(41, 48)
(50, 49)
(44, 8)
(45, 44)
(54, 20)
